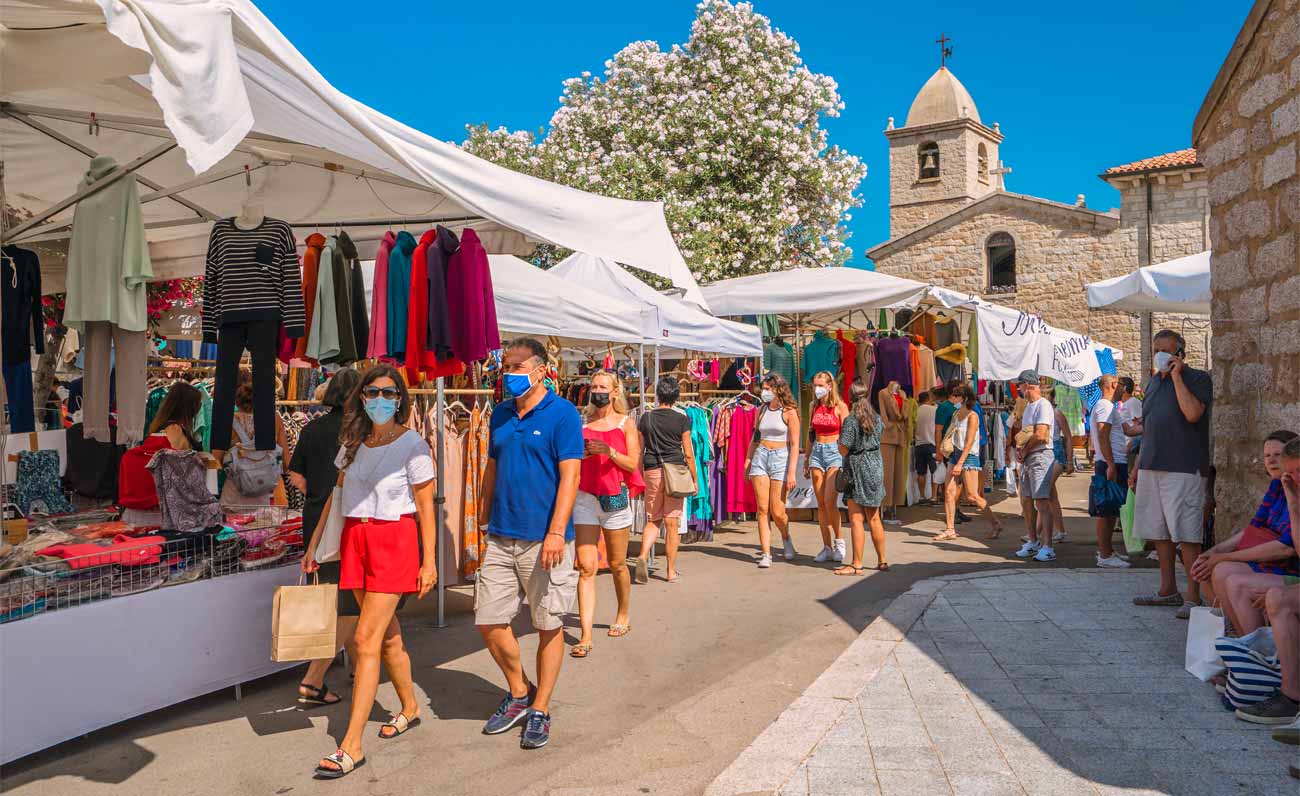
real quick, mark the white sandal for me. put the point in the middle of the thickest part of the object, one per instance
(398, 722)
(346, 765)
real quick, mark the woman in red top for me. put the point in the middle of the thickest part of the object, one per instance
(609, 479)
(824, 462)
(172, 427)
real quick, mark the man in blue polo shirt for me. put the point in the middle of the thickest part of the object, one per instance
(535, 454)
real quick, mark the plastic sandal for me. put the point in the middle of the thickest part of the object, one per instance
(320, 698)
(580, 650)
(619, 630)
(399, 724)
(346, 765)
(850, 570)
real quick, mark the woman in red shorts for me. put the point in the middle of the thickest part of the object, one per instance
(386, 475)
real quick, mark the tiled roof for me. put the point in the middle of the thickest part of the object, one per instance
(1173, 160)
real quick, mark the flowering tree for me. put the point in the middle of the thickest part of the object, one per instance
(724, 129)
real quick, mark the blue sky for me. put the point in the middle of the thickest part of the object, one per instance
(1074, 93)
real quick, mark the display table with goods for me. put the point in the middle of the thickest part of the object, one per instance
(87, 601)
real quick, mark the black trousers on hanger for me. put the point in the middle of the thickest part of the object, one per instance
(259, 338)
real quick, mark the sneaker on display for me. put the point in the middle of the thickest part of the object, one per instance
(1045, 554)
(824, 555)
(1027, 550)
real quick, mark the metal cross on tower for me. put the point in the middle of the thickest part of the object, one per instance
(945, 52)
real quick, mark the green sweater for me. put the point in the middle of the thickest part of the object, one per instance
(108, 255)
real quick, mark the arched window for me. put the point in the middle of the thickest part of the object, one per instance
(1000, 251)
(928, 161)
(983, 159)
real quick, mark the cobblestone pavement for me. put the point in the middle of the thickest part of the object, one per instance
(1049, 682)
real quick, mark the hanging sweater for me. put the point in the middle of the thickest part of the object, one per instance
(377, 345)
(338, 272)
(310, 268)
(469, 291)
(356, 294)
(323, 338)
(252, 275)
(399, 292)
(437, 259)
(23, 321)
(108, 255)
(418, 357)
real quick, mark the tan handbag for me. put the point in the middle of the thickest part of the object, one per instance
(678, 480)
(947, 446)
(303, 621)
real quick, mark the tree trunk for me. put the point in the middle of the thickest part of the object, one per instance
(43, 380)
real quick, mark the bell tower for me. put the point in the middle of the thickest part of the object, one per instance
(943, 157)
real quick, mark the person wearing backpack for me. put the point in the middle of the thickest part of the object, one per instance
(251, 475)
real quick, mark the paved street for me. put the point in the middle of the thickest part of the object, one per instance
(1045, 682)
(708, 666)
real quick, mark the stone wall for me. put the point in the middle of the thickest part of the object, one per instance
(1057, 252)
(1178, 227)
(1248, 139)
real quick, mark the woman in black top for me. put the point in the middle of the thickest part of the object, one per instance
(312, 472)
(665, 439)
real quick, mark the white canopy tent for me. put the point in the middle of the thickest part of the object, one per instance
(211, 107)
(673, 324)
(814, 295)
(536, 302)
(1181, 285)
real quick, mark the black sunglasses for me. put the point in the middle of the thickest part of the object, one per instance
(375, 392)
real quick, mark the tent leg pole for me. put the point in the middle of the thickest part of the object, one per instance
(439, 499)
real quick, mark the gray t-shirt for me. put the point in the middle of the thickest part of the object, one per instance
(1169, 443)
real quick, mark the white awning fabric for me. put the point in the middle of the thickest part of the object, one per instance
(1181, 285)
(673, 323)
(251, 117)
(533, 302)
(818, 295)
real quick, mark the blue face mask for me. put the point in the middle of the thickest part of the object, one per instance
(517, 384)
(380, 410)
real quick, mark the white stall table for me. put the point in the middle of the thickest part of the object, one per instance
(69, 672)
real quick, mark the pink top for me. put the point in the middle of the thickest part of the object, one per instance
(377, 346)
(600, 475)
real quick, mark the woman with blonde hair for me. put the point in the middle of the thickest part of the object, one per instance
(824, 462)
(608, 481)
(770, 463)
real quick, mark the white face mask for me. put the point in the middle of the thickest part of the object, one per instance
(1163, 361)
(821, 391)
(767, 396)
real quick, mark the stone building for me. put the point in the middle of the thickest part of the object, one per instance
(1248, 131)
(953, 223)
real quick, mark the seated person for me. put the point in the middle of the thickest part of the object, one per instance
(1283, 607)
(171, 428)
(1239, 576)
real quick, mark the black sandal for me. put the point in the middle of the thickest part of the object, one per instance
(321, 698)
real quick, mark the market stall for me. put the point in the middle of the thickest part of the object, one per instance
(190, 116)
(1181, 285)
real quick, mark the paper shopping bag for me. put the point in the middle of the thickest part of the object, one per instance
(1201, 659)
(303, 621)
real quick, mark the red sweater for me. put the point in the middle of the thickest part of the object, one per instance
(135, 489)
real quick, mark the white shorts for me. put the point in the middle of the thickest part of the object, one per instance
(1169, 506)
(587, 511)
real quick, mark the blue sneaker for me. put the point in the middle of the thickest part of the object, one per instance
(509, 713)
(537, 731)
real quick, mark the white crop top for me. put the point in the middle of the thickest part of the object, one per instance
(379, 482)
(772, 426)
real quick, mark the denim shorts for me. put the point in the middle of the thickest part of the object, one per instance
(771, 462)
(825, 456)
(1058, 451)
(972, 461)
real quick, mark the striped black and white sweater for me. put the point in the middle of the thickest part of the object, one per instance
(252, 275)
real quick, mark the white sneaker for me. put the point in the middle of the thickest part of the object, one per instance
(1113, 562)
(789, 550)
(824, 555)
(1153, 556)
(1028, 550)
(1045, 554)
(764, 562)
(840, 551)
(1059, 537)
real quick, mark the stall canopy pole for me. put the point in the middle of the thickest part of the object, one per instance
(640, 376)
(440, 403)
